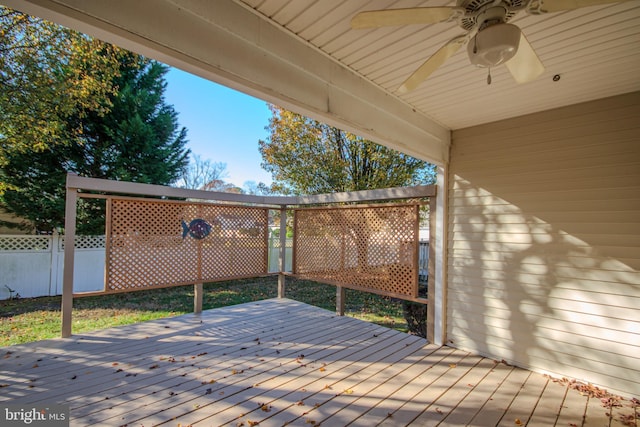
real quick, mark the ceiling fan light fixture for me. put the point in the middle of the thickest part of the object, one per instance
(494, 45)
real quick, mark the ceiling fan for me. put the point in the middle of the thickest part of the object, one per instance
(490, 39)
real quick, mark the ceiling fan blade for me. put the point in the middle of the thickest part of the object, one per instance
(525, 66)
(415, 15)
(432, 64)
(550, 6)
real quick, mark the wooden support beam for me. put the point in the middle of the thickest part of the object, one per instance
(394, 193)
(69, 255)
(135, 188)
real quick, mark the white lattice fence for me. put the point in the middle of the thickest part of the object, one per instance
(31, 266)
(25, 243)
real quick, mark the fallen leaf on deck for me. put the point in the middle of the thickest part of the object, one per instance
(518, 422)
(628, 420)
(265, 408)
(153, 366)
(322, 369)
(348, 391)
(252, 423)
(438, 410)
(611, 402)
(453, 365)
(300, 403)
(208, 391)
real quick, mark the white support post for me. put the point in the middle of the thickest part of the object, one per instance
(69, 253)
(431, 270)
(283, 251)
(438, 282)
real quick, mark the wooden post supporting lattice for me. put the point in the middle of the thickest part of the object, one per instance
(197, 298)
(283, 251)
(340, 294)
(69, 253)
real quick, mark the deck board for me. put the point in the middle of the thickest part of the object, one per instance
(524, 402)
(495, 408)
(280, 362)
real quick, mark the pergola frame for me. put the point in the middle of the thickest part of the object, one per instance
(75, 185)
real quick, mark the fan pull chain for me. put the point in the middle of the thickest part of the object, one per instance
(489, 77)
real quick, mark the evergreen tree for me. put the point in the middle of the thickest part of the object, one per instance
(137, 139)
(48, 74)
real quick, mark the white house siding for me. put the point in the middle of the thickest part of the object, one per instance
(544, 242)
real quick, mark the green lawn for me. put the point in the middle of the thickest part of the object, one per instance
(33, 319)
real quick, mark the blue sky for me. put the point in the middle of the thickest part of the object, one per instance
(223, 125)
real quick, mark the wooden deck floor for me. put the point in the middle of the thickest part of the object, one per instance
(281, 362)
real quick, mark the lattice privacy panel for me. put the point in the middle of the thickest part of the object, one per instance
(162, 243)
(371, 248)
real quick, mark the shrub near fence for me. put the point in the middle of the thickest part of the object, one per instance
(32, 266)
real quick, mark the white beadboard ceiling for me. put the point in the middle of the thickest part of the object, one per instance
(594, 50)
